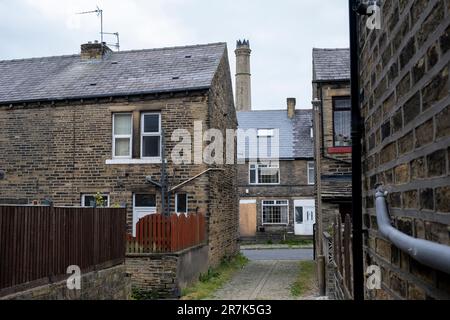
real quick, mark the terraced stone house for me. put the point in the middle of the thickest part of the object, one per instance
(276, 188)
(95, 123)
(332, 119)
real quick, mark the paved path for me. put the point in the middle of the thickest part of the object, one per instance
(268, 276)
(261, 280)
(279, 254)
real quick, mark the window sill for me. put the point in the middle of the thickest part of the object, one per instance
(336, 150)
(133, 161)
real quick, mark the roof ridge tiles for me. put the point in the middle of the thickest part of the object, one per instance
(119, 52)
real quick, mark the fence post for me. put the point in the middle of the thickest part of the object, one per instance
(347, 240)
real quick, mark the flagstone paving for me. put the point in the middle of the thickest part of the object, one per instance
(262, 280)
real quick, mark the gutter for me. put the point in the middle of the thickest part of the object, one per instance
(102, 96)
(330, 81)
(431, 254)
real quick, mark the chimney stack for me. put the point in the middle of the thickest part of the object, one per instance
(243, 76)
(93, 51)
(291, 102)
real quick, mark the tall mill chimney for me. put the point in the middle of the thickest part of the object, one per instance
(243, 76)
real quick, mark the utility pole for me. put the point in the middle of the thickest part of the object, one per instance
(317, 144)
(164, 181)
(358, 265)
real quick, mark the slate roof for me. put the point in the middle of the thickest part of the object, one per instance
(295, 134)
(117, 74)
(331, 64)
(336, 187)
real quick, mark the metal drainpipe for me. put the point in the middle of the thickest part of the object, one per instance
(357, 246)
(434, 255)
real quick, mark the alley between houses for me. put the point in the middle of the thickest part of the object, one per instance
(269, 275)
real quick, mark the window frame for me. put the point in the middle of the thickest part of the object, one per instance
(334, 99)
(313, 176)
(275, 205)
(121, 136)
(176, 203)
(84, 195)
(265, 133)
(150, 134)
(257, 183)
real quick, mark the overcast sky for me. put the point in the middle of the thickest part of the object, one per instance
(282, 33)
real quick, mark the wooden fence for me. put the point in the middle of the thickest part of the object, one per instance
(342, 253)
(38, 244)
(157, 233)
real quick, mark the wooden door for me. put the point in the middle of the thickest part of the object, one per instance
(247, 218)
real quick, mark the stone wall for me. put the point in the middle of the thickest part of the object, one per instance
(222, 190)
(165, 275)
(106, 284)
(405, 107)
(61, 151)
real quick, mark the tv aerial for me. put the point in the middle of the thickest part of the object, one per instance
(117, 44)
(99, 13)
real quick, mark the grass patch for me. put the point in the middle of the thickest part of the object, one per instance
(297, 242)
(139, 294)
(306, 278)
(214, 279)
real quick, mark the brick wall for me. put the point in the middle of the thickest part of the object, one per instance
(405, 106)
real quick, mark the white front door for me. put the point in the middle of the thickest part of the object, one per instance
(143, 205)
(305, 217)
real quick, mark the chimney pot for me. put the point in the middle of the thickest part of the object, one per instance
(92, 51)
(291, 102)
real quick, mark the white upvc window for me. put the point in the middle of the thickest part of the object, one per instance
(89, 200)
(122, 135)
(275, 212)
(266, 133)
(181, 203)
(311, 173)
(151, 136)
(267, 173)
